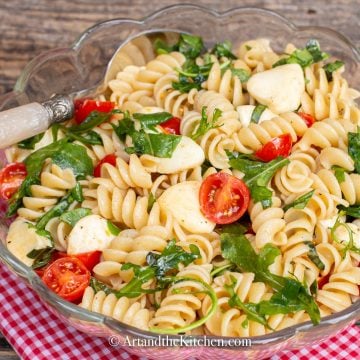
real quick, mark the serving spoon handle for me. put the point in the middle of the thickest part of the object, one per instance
(31, 119)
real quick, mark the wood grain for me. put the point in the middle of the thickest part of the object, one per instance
(30, 27)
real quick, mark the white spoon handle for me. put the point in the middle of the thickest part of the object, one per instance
(28, 120)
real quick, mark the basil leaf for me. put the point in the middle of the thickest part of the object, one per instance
(242, 74)
(290, 294)
(30, 142)
(331, 67)
(95, 118)
(190, 45)
(223, 49)
(89, 138)
(339, 173)
(353, 211)
(73, 216)
(300, 202)
(313, 255)
(98, 285)
(354, 148)
(257, 112)
(313, 47)
(160, 145)
(234, 228)
(114, 230)
(125, 126)
(149, 120)
(41, 257)
(206, 125)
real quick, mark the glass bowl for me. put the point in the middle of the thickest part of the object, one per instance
(82, 66)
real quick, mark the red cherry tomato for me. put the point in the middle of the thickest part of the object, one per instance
(11, 177)
(89, 259)
(172, 126)
(223, 198)
(110, 159)
(323, 280)
(278, 146)
(83, 108)
(68, 277)
(309, 119)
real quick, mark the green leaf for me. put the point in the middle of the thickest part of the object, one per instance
(257, 175)
(257, 112)
(41, 256)
(300, 202)
(74, 195)
(331, 67)
(206, 125)
(313, 255)
(353, 211)
(98, 285)
(354, 148)
(339, 173)
(114, 230)
(223, 49)
(73, 216)
(190, 45)
(95, 118)
(234, 228)
(74, 157)
(304, 57)
(149, 120)
(89, 138)
(348, 245)
(242, 74)
(290, 294)
(160, 145)
(30, 142)
(161, 47)
(151, 201)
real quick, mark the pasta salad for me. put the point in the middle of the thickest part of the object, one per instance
(206, 191)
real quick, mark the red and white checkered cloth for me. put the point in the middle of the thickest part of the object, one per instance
(36, 334)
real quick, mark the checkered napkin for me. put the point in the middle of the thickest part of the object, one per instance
(36, 334)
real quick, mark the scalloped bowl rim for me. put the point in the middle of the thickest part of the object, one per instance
(82, 314)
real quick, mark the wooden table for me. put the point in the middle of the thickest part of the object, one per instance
(29, 27)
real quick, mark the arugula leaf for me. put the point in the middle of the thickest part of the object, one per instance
(62, 153)
(125, 126)
(170, 258)
(41, 256)
(339, 173)
(353, 211)
(190, 45)
(250, 309)
(331, 67)
(73, 216)
(257, 112)
(304, 57)
(206, 125)
(234, 228)
(300, 202)
(98, 285)
(89, 138)
(160, 145)
(30, 142)
(242, 74)
(290, 294)
(114, 230)
(257, 175)
(149, 120)
(74, 195)
(223, 49)
(354, 148)
(348, 246)
(161, 47)
(313, 255)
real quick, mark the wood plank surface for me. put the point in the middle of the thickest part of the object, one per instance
(30, 27)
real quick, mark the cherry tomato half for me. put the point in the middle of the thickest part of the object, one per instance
(223, 198)
(11, 177)
(68, 277)
(89, 259)
(323, 280)
(83, 107)
(109, 159)
(278, 146)
(308, 119)
(172, 126)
